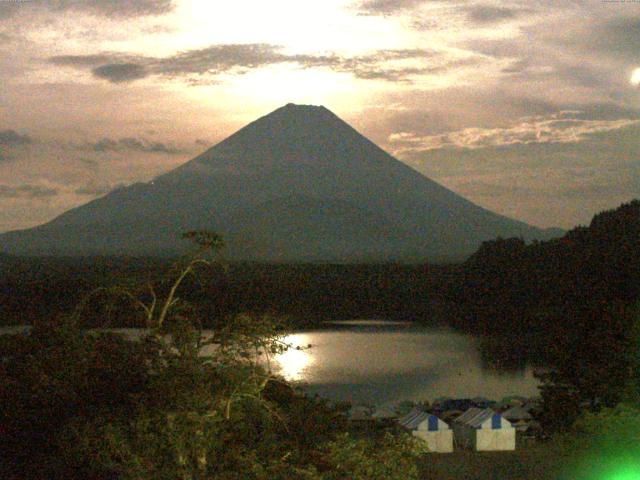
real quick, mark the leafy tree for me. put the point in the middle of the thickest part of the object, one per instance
(54, 374)
(365, 459)
(595, 367)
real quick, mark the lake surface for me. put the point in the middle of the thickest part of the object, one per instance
(380, 362)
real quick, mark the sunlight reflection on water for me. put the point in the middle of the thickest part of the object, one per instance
(377, 363)
(294, 364)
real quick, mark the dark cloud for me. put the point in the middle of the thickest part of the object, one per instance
(106, 145)
(598, 38)
(192, 65)
(89, 162)
(26, 191)
(11, 138)
(619, 37)
(390, 74)
(216, 59)
(221, 58)
(132, 144)
(120, 72)
(108, 8)
(518, 66)
(117, 8)
(475, 13)
(387, 7)
(489, 14)
(588, 76)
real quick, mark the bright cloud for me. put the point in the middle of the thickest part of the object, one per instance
(563, 127)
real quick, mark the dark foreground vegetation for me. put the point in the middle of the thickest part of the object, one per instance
(174, 404)
(76, 403)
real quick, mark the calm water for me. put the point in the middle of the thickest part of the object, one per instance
(382, 362)
(379, 362)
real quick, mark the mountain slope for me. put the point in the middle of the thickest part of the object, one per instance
(297, 184)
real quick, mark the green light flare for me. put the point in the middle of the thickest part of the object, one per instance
(603, 466)
(627, 472)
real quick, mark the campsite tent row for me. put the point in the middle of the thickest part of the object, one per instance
(460, 404)
(476, 429)
(444, 404)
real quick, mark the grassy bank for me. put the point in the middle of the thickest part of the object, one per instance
(535, 462)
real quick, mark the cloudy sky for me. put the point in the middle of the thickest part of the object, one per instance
(529, 108)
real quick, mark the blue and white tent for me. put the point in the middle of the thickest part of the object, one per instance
(436, 433)
(484, 429)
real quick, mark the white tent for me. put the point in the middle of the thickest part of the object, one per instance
(479, 430)
(436, 433)
(519, 418)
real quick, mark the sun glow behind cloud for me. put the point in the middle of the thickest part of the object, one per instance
(280, 84)
(289, 27)
(303, 26)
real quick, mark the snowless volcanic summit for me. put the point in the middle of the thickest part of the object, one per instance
(298, 184)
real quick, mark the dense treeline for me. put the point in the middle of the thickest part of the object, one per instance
(570, 303)
(508, 285)
(32, 288)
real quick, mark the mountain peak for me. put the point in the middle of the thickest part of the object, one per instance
(295, 106)
(290, 134)
(290, 123)
(299, 112)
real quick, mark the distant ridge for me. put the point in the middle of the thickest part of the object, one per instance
(298, 184)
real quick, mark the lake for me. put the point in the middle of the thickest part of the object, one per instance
(380, 362)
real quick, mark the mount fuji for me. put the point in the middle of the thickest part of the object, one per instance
(298, 184)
